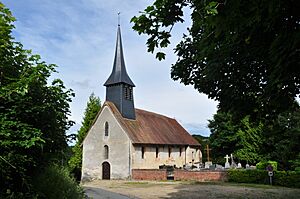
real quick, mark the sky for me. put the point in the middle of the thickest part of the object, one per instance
(79, 36)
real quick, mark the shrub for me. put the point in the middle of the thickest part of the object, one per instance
(281, 178)
(55, 183)
(287, 178)
(247, 176)
(262, 165)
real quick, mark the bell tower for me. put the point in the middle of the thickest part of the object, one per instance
(119, 87)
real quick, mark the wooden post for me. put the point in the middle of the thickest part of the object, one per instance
(207, 152)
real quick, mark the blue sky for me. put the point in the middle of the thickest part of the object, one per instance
(79, 36)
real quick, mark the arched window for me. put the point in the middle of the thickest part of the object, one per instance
(106, 152)
(143, 152)
(180, 151)
(106, 129)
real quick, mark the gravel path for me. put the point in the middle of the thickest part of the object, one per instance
(97, 193)
(192, 190)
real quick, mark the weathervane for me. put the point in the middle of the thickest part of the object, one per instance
(119, 18)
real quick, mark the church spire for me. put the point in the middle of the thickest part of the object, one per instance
(119, 87)
(119, 74)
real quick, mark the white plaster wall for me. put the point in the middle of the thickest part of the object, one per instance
(93, 149)
(151, 162)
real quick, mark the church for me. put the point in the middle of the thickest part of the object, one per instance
(123, 138)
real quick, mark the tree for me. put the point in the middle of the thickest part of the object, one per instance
(223, 139)
(33, 114)
(242, 138)
(92, 108)
(250, 141)
(283, 138)
(244, 54)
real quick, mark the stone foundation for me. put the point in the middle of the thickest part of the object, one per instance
(161, 174)
(200, 175)
(149, 174)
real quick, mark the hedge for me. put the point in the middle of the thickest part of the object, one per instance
(281, 178)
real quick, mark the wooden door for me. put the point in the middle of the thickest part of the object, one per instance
(105, 171)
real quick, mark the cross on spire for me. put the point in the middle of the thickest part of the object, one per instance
(119, 18)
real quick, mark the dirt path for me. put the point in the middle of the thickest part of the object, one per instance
(150, 190)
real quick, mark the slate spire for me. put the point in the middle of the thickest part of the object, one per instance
(119, 87)
(119, 74)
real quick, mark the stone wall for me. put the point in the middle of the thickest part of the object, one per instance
(200, 175)
(160, 174)
(149, 174)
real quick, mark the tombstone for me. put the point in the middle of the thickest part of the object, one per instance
(219, 167)
(239, 166)
(207, 165)
(247, 166)
(227, 165)
(212, 167)
(233, 164)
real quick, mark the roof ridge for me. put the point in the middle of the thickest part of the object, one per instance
(151, 112)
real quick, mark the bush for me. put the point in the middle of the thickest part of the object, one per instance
(55, 183)
(262, 165)
(287, 178)
(248, 176)
(281, 178)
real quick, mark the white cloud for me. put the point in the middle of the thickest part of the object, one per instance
(79, 36)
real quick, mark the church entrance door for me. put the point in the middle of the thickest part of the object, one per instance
(105, 171)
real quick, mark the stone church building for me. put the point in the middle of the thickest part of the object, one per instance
(123, 138)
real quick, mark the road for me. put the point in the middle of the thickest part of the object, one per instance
(97, 193)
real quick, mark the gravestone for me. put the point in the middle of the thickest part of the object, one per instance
(247, 166)
(207, 165)
(227, 165)
(233, 164)
(239, 166)
(219, 167)
(212, 167)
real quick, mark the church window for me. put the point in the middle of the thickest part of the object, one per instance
(170, 151)
(143, 152)
(106, 151)
(180, 151)
(106, 128)
(157, 152)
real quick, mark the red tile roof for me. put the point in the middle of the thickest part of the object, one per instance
(153, 128)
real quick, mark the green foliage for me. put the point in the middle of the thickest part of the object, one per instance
(92, 109)
(33, 114)
(244, 54)
(236, 52)
(250, 141)
(55, 183)
(223, 139)
(283, 138)
(242, 138)
(295, 164)
(281, 178)
(247, 176)
(287, 178)
(262, 165)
